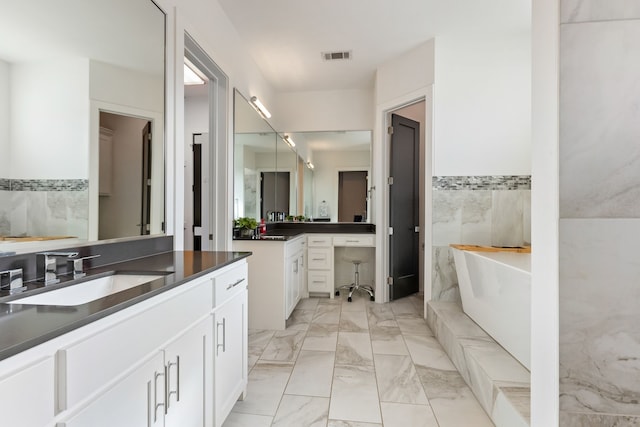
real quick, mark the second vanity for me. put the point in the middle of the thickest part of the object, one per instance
(293, 260)
(170, 352)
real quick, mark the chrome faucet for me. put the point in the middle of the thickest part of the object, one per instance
(12, 280)
(78, 265)
(47, 265)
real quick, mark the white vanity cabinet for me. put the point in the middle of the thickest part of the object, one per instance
(132, 401)
(294, 274)
(151, 364)
(27, 395)
(278, 272)
(230, 341)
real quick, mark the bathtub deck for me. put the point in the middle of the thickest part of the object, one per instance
(478, 248)
(501, 384)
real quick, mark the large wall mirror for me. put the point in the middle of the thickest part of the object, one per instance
(321, 176)
(81, 120)
(336, 174)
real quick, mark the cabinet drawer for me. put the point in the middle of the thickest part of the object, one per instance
(318, 241)
(320, 281)
(320, 258)
(354, 240)
(87, 366)
(230, 283)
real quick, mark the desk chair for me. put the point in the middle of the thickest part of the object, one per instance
(356, 286)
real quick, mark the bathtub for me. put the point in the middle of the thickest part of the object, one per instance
(495, 288)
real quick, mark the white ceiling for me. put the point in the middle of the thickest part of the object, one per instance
(286, 37)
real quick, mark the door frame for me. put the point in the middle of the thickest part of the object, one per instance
(380, 196)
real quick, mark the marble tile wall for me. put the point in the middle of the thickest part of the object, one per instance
(479, 210)
(44, 207)
(599, 213)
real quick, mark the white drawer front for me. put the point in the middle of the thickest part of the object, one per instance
(320, 281)
(320, 258)
(318, 241)
(354, 240)
(230, 283)
(86, 366)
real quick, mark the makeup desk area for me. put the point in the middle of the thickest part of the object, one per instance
(295, 260)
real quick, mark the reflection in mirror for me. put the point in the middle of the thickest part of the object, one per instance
(60, 64)
(339, 180)
(254, 154)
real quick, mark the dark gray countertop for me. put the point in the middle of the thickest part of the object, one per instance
(289, 230)
(24, 326)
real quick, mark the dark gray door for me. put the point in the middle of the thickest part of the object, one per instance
(197, 192)
(404, 204)
(145, 215)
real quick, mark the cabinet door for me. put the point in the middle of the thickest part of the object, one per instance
(230, 354)
(186, 367)
(26, 396)
(292, 284)
(136, 400)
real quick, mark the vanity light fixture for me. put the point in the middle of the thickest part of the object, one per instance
(289, 141)
(191, 77)
(260, 107)
(310, 165)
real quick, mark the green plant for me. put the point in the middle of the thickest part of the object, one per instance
(289, 217)
(245, 223)
(301, 218)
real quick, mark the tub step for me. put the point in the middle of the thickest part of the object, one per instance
(500, 383)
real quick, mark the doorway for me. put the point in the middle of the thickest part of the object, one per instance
(404, 203)
(206, 210)
(352, 196)
(124, 176)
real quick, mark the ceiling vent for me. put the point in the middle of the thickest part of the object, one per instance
(334, 56)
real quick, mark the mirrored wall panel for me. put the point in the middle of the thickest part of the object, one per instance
(62, 64)
(337, 174)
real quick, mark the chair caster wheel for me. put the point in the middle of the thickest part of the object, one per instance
(373, 298)
(337, 293)
(349, 299)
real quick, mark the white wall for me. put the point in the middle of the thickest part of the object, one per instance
(482, 105)
(326, 110)
(5, 146)
(406, 73)
(50, 120)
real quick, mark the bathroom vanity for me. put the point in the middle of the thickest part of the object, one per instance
(293, 260)
(171, 351)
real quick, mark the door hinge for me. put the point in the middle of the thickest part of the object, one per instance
(416, 229)
(390, 281)
(149, 136)
(390, 180)
(390, 130)
(149, 182)
(390, 231)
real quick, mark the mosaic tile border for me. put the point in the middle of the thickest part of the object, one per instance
(44, 184)
(487, 182)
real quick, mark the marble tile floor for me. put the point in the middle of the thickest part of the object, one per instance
(358, 364)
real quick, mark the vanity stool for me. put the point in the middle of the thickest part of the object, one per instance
(356, 286)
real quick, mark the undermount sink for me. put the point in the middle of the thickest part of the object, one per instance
(88, 291)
